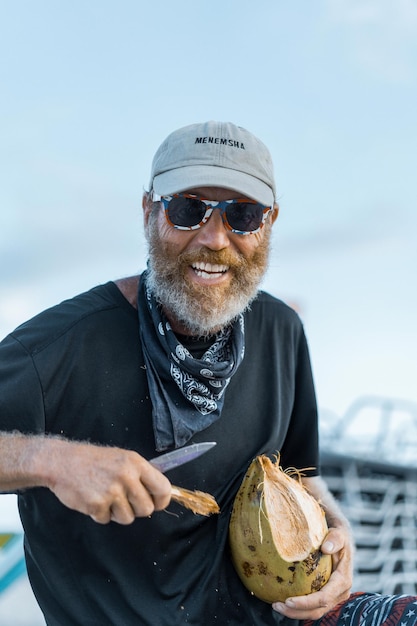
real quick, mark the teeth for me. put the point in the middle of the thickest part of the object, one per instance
(209, 270)
(210, 267)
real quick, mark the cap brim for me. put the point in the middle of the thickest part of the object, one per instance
(189, 177)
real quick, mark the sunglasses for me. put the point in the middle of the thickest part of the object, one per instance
(188, 212)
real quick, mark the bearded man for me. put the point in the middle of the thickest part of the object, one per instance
(190, 351)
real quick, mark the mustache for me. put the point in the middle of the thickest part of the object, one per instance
(216, 257)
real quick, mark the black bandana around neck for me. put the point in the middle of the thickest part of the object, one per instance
(187, 394)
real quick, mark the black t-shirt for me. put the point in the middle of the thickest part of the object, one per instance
(77, 370)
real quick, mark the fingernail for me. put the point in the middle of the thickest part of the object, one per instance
(290, 603)
(328, 546)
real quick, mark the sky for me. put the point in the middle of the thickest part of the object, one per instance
(88, 91)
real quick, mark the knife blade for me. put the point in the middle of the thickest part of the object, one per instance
(178, 457)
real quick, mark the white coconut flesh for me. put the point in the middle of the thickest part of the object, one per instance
(295, 518)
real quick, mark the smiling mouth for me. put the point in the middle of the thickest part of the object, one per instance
(209, 270)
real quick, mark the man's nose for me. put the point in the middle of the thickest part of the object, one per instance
(214, 234)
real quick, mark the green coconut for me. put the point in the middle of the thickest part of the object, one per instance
(275, 532)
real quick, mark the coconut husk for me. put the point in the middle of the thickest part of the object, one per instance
(275, 531)
(197, 501)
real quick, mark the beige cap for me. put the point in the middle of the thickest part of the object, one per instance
(214, 154)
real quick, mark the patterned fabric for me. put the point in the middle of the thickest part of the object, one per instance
(370, 609)
(186, 393)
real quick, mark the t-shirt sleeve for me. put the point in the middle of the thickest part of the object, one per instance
(301, 446)
(21, 396)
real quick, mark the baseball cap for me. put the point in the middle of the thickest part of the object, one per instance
(214, 154)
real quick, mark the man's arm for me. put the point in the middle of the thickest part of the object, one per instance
(106, 483)
(339, 544)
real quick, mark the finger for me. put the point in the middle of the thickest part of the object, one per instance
(122, 513)
(141, 501)
(161, 500)
(124, 510)
(158, 486)
(102, 517)
(301, 605)
(333, 542)
(312, 607)
(144, 503)
(315, 605)
(296, 614)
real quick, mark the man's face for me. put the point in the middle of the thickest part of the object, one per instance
(204, 278)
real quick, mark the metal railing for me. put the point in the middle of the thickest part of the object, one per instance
(374, 478)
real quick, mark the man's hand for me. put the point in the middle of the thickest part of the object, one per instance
(314, 606)
(108, 484)
(338, 542)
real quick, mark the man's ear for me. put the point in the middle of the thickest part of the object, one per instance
(274, 213)
(147, 208)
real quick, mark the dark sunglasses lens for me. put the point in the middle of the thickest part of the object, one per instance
(186, 211)
(244, 216)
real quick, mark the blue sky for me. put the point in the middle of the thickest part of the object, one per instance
(89, 89)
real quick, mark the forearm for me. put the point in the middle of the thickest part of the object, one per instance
(340, 533)
(24, 460)
(334, 515)
(106, 483)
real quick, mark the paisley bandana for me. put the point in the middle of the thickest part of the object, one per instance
(187, 394)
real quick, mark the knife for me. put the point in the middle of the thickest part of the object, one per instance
(178, 457)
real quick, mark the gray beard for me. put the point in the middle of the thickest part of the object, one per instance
(186, 309)
(202, 311)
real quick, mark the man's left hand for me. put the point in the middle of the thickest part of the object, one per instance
(314, 606)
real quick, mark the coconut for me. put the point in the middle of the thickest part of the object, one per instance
(275, 532)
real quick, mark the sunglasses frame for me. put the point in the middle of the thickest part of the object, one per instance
(222, 205)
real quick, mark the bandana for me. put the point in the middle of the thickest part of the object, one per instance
(187, 393)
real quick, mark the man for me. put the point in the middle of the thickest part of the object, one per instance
(190, 351)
